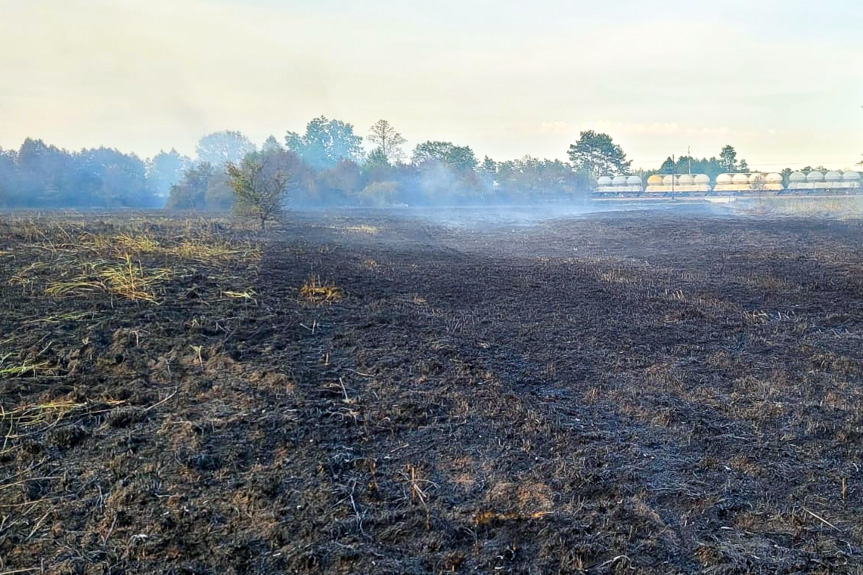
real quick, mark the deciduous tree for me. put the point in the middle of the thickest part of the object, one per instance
(220, 148)
(271, 144)
(460, 158)
(260, 184)
(191, 191)
(164, 170)
(325, 143)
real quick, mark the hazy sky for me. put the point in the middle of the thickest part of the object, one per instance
(781, 80)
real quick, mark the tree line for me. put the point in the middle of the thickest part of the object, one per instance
(38, 175)
(325, 165)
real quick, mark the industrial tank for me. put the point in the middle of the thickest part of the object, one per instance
(619, 185)
(773, 182)
(797, 181)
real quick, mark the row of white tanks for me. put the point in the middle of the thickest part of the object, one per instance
(752, 182)
(821, 181)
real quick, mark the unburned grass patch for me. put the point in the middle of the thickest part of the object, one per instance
(246, 295)
(316, 291)
(199, 249)
(213, 251)
(364, 229)
(128, 280)
(49, 412)
(9, 369)
(117, 245)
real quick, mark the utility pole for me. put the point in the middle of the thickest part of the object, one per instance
(672, 175)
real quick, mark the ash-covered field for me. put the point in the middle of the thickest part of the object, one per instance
(365, 392)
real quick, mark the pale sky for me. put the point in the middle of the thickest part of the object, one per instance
(781, 80)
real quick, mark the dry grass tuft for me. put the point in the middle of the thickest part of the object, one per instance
(126, 243)
(248, 295)
(489, 517)
(417, 493)
(62, 317)
(363, 229)
(127, 280)
(840, 207)
(26, 277)
(201, 247)
(25, 368)
(204, 251)
(44, 413)
(115, 245)
(132, 282)
(314, 290)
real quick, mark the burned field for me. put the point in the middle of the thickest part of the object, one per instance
(370, 394)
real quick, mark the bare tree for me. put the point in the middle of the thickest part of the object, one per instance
(757, 183)
(389, 141)
(260, 192)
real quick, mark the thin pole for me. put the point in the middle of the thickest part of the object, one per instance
(673, 166)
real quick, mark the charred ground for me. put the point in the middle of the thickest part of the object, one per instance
(657, 393)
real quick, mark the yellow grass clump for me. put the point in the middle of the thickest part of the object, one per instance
(48, 412)
(198, 249)
(127, 280)
(316, 291)
(136, 244)
(210, 251)
(363, 229)
(121, 244)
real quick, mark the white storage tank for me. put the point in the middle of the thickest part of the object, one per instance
(740, 179)
(724, 179)
(685, 180)
(633, 181)
(603, 181)
(797, 177)
(851, 177)
(815, 176)
(773, 182)
(832, 177)
(702, 179)
(668, 181)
